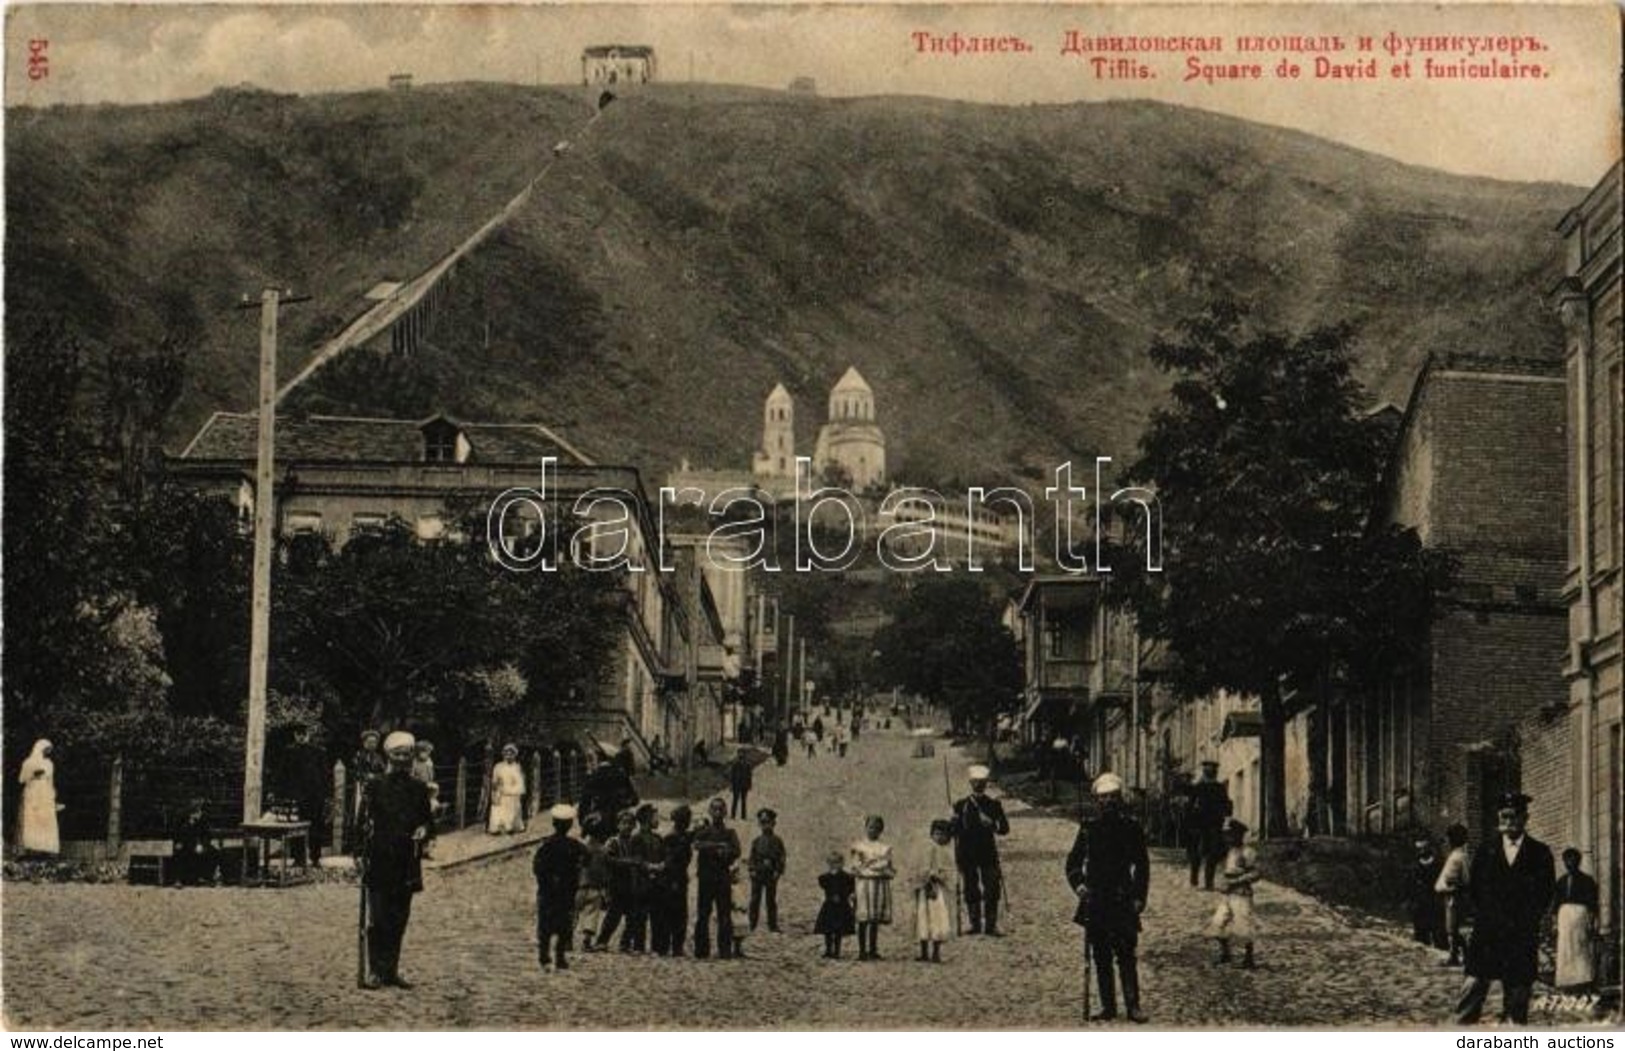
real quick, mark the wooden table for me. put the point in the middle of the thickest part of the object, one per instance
(264, 867)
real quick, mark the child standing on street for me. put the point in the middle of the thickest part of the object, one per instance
(767, 861)
(836, 916)
(1452, 890)
(871, 864)
(592, 898)
(1233, 919)
(558, 868)
(931, 891)
(1427, 913)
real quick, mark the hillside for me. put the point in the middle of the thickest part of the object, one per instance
(995, 272)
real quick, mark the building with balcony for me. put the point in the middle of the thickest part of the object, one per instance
(1082, 662)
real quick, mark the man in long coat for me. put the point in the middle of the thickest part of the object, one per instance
(1110, 872)
(396, 822)
(1511, 883)
(978, 819)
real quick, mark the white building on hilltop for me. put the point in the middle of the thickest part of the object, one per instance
(851, 441)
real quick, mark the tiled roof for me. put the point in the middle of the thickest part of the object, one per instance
(353, 439)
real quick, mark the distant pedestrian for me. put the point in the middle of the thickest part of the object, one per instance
(507, 794)
(1574, 903)
(1451, 887)
(367, 765)
(1427, 917)
(396, 825)
(781, 746)
(739, 783)
(716, 850)
(978, 820)
(1234, 920)
(933, 870)
(843, 737)
(592, 898)
(818, 727)
(810, 740)
(1110, 871)
(36, 815)
(195, 852)
(558, 869)
(1511, 884)
(857, 725)
(872, 866)
(669, 909)
(767, 864)
(423, 770)
(837, 916)
(1207, 807)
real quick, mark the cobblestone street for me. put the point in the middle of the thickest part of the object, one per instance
(89, 957)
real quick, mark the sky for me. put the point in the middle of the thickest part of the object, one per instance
(1563, 126)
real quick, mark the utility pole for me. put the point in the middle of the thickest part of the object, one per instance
(789, 658)
(259, 644)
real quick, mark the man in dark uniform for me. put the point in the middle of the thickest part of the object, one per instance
(557, 866)
(396, 822)
(670, 909)
(717, 847)
(1511, 883)
(978, 819)
(1208, 806)
(1110, 872)
(739, 782)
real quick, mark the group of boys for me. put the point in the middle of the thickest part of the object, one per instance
(636, 881)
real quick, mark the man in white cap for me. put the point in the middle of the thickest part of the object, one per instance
(978, 819)
(557, 866)
(396, 822)
(1109, 870)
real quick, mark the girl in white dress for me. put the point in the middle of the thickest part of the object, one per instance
(507, 794)
(1234, 916)
(37, 814)
(932, 888)
(871, 863)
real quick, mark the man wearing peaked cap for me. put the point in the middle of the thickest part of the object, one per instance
(1207, 806)
(557, 867)
(1109, 870)
(396, 823)
(1510, 882)
(978, 819)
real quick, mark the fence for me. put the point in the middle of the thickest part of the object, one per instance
(109, 802)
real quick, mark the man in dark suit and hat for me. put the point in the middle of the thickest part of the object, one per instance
(1511, 883)
(396, 822)
(978, 819)
(1110, 871)
(1209, 804)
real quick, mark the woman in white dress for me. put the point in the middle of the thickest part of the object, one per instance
(507, 794)
(932, 872)
(871, 864)
(37, 815)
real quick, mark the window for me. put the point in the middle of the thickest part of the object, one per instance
(367, 522)
(1616, 437)
(302, 523)
(440, 445)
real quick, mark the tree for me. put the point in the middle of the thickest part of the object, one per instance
(947, 643)
(1266, 472)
